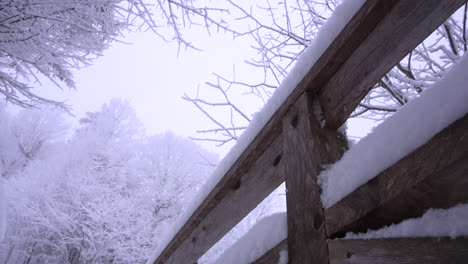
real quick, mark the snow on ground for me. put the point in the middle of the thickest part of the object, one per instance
(405, 131)
(327, 34)
(265, 235)
(451, 222)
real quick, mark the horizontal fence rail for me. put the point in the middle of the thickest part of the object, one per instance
(387, 251)
(379, 35)
(399, 250)
(433, 176)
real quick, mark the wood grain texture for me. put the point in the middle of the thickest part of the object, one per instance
(404, 27)
(399, 250)
(273, 255)
(227, 208)
(436, 171)
(444, 189)
(359, 29)
(306, 147)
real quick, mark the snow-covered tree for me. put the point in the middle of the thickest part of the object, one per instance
(163, 157)
(27, 135)
(102, 196)
(3, 213)
(47, 39)
(42, 41)
(9, 154)
(34, 129)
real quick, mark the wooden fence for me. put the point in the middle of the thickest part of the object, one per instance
(292, 146)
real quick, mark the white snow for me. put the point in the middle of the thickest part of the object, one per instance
(327, 34)
(409, 128)
(451, 222)
(265, 235)
(283, 257)
(274, 203)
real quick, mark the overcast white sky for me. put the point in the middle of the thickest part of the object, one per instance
(150, 75)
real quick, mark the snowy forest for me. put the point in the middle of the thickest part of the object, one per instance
(106, 191)
(101, 195)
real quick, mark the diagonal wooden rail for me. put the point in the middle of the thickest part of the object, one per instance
(380, 34)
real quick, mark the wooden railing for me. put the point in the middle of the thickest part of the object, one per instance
(292, 146)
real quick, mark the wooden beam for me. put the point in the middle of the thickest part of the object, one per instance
(225, 207)
(399, 250)
(444, 189)
(273, 255)
(434, 175)
(360, 28)
(306, 147)
(402, 29)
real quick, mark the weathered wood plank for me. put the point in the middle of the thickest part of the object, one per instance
(273, 255)
(306, 147)
(358, 30)
(405, 26)
(432, 176)
(399, 250)
(238, 199)
(444, 189)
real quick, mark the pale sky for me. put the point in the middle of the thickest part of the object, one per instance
(150, 75)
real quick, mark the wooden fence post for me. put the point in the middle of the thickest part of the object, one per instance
(306, 148)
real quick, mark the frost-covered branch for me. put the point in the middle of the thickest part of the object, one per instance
(227, 131)
(43, 41)
(280, 32)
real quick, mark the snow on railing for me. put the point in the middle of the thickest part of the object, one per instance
(409, 128)
(452, 222)
(340, 17)
(413, 125)
(337, 70)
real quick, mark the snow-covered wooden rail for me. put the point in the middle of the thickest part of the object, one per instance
(434, 175)
(292, 146)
